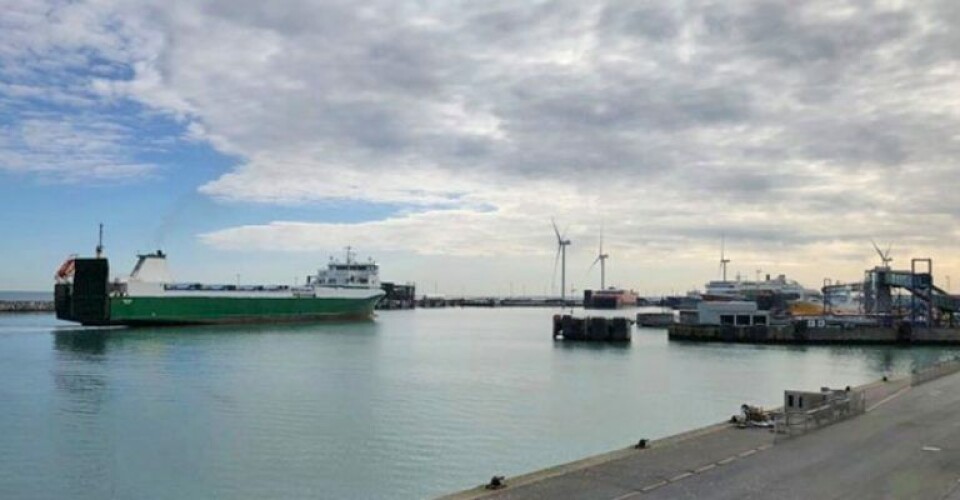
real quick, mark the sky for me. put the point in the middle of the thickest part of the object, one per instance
(256, 139)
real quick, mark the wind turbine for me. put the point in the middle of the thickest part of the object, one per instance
(602, 259)
(562, 243)
(723, 261)
(884, 256)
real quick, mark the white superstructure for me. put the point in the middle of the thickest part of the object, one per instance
(348, 274)
(151, 278)
(787, 288)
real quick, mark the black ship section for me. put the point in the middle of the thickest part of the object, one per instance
(85, 301)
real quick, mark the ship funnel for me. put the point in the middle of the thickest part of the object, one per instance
(151, 268)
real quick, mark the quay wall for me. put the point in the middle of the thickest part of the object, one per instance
(790, 334)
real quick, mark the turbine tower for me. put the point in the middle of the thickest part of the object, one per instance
(562, 243)
(602, 259)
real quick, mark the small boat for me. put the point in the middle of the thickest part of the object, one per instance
(609, 298)
(655, 319)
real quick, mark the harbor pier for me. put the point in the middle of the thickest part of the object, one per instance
(800, 332)
(906, 444)
(593, 329)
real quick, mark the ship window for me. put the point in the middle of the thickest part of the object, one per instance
(790, 400)
(726, 319)
(759, 320)
(743, 320)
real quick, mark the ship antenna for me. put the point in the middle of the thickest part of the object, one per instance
(723, 260)
(100, 242)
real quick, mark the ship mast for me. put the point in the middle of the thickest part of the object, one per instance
(100, 243)
(349, 255)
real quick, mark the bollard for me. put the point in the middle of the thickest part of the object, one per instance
(496, 483)
(642, 444)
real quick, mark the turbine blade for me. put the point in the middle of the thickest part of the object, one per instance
(877, 248)
(555, 230)
(593, 264)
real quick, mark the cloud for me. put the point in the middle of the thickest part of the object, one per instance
(56, 125)
(807, 123)
(71, 150)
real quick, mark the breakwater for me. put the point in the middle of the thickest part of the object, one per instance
(428, 302)
(800, 333)
(26, 306)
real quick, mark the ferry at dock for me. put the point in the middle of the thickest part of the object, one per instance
(795, 298)
(787, 288)
(149, 296)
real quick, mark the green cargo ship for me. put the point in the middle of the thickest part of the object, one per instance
(84, 294)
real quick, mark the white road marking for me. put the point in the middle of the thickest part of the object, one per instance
(653, 486)
(725, 461)
(930, 448)
(748, 453)
(705, 468)
(681, 476)
(888, 398)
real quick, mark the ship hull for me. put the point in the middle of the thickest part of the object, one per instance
(134, 311)
(609, 300)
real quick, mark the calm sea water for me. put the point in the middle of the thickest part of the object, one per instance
(6, 295)
(412, 405)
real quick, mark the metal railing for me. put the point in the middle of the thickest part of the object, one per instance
(837, 408)
(936, 371)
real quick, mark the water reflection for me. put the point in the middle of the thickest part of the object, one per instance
(79, 341)
(893, 359)
(97, 341)
(612, 347)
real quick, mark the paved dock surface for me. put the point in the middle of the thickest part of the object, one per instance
(909, 447)
(906, 446)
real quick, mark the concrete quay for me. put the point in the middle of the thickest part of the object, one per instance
(797, 334)
(907, 445)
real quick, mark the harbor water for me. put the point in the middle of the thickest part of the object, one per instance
(414, 404)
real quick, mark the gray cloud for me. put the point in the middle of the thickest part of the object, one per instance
(795, 122)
